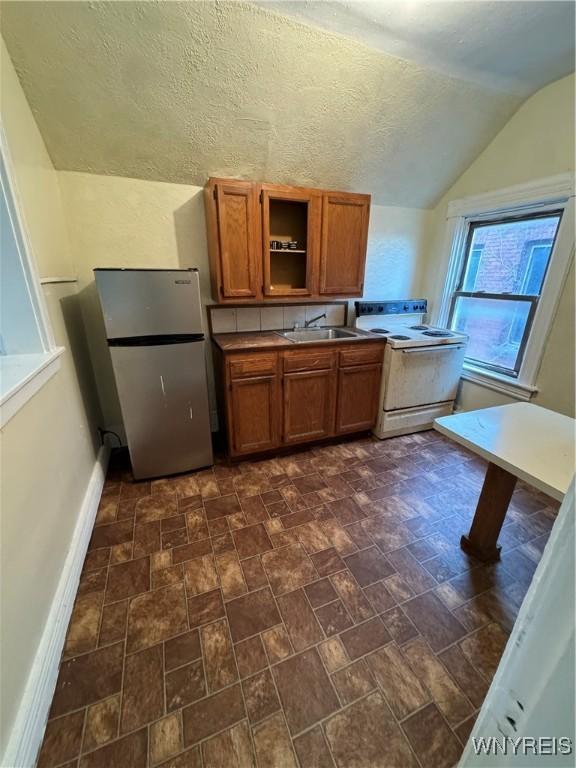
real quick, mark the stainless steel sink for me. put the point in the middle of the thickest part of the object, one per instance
(317, 334)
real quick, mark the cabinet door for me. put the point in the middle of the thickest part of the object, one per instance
(290, 214)
(253, 414)
(344, 239)
(239, 254)
(309, 399)
(358, 396)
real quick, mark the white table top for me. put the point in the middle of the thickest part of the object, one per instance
(533, 443)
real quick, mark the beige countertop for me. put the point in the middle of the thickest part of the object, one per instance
(230, 342)
(531, 442)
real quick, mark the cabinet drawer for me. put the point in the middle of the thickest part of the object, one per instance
(308, 361)
(252, 365)
(361, 355)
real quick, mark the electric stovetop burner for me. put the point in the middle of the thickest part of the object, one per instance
(418, 327)
(400, 337)
(437, 334)
(379, 330)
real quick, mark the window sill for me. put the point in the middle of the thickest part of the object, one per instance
(499, 383)
(21, 376)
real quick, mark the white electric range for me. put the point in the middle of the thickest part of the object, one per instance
(422, 365)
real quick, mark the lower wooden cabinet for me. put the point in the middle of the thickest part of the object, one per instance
(309, 399)
(358, 392)
(253, 414)
(296, 396)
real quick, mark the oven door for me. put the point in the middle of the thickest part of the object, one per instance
(421, 375)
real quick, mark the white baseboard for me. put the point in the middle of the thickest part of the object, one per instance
(30, 723)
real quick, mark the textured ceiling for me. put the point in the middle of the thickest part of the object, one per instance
(179, 91)
(504, 44)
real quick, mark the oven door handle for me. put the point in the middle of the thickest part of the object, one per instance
(438, 348)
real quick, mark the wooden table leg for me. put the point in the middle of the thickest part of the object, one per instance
(481, 542)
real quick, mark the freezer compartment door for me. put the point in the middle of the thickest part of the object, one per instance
(151, 302)
(421, 375)
(164, 400)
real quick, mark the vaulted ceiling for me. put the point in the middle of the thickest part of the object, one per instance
(177, 91)
(516, 46)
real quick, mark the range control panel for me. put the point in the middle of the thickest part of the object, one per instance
(401, 307)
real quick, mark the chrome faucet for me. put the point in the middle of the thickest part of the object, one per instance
(308, 323)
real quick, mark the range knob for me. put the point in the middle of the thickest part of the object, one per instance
(406, 307)
(370, 309)
(380, 309)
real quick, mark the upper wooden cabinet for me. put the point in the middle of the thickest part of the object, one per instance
(233, 219)
(344, 239)
(247, 224)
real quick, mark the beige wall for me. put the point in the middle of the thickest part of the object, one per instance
(537, 142)
(396, 241)
(49, 446)
(115, 221)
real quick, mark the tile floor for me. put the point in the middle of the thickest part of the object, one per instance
(310, 610)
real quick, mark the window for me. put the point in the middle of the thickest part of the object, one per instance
(499, 287)
(28, 355)
(509, 254)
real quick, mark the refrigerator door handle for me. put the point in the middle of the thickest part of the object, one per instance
(162, 385)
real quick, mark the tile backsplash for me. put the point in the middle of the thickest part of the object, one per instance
(274, 318)
(248, 319)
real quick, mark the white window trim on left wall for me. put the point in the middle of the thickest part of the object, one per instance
(30, 372)
(552, 193)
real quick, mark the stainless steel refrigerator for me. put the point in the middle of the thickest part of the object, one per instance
(153, 320)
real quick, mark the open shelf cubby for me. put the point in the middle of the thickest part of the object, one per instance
(288, 222)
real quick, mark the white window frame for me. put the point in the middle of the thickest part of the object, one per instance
(47, 361)
(555, 193)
